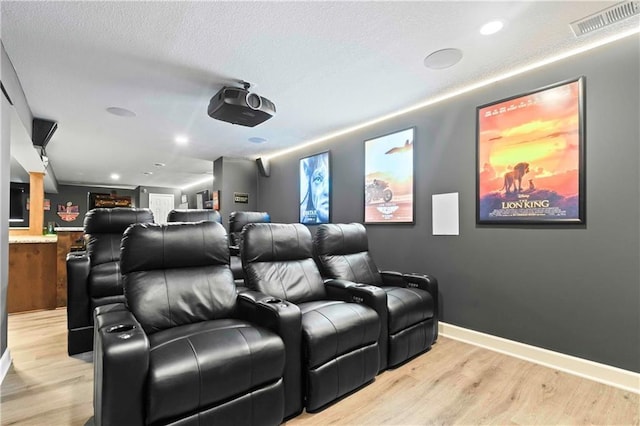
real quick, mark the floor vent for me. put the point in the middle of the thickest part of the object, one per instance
(606, 17)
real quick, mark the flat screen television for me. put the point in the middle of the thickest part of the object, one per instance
(16, 204)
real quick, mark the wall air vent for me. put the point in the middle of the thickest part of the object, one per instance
(606, 17)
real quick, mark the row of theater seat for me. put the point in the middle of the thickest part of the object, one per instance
(188, 348)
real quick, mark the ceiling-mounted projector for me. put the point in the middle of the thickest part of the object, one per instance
(240, 106)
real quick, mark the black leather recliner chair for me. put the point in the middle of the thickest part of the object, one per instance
(179, 351)
(342, 252)
(194, 215)
(237, 221)
(339, 338)
(93, 276)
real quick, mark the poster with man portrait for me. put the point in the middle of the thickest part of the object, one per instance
(530, 157)
(315, 189)
(388, 185)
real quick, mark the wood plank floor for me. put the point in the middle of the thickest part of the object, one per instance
(453, 384)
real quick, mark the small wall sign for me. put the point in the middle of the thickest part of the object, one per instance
(241, 197)
(68, 212)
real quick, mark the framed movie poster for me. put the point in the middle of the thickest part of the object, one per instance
(215, 197)
(315, 189)
(530, 157)
(388, 184)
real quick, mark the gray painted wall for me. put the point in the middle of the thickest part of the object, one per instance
(5, 161)
(13, 87)
(571, 289)
(191, 193)
(235, 175)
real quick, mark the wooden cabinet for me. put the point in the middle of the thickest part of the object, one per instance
(32, 276)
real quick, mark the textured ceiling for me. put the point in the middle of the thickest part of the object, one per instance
(326, 65)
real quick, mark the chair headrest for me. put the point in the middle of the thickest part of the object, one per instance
(194, 215)
(268, 242)
(114, 220)
(340, 239)
(238, 219)
(150, 246)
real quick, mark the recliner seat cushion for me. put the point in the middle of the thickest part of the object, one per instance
(333, 328)
(277, 260)
(407, 307)
(177, 274)
(356, 267)
(303, 282)
(200, 365)
(343, 252)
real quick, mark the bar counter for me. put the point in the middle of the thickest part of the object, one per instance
(32, 273)
(37, 269)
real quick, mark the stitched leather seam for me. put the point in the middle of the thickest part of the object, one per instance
(335, 356)
(277, 265)
(195, 356)
(250, 372)
(364, 329)
(300, 263)
(403, 304)
(195, 333)
(166, 284)
(210, 284)
(336, 332)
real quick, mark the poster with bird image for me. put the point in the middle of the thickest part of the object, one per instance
(530, 157)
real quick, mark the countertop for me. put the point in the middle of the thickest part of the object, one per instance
(69, 229)
(32, 239)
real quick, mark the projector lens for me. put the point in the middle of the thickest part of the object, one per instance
(254, 101)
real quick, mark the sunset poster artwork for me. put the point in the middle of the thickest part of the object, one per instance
(530, 157)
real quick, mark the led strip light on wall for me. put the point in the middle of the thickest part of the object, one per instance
(458, 92)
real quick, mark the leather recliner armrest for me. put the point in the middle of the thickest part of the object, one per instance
(284, 319)
(428, 283)
(121, 364)
(370, 295)
(234, 250)
(78, 268)
(424, 282)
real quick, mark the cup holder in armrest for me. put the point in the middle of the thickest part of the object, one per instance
(361, 285)
(120, 328)
(273, 300)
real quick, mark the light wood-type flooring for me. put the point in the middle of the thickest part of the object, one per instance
(452, 384)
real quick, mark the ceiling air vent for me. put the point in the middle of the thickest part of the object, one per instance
(606, 17)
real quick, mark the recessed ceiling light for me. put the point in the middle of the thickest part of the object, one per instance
(147, 173)
(491, 27)
(444, 58)
(181, 140)
(256, 139)
(159, 164)
(115, 176)
(121, 112)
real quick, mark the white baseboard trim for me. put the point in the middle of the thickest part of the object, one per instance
(5, 363)
(612, 376)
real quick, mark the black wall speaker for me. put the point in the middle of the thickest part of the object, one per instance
(42, 132)
(263, 167)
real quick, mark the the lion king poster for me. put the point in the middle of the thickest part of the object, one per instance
(530, 157)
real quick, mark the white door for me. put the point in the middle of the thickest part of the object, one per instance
(161, 205)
